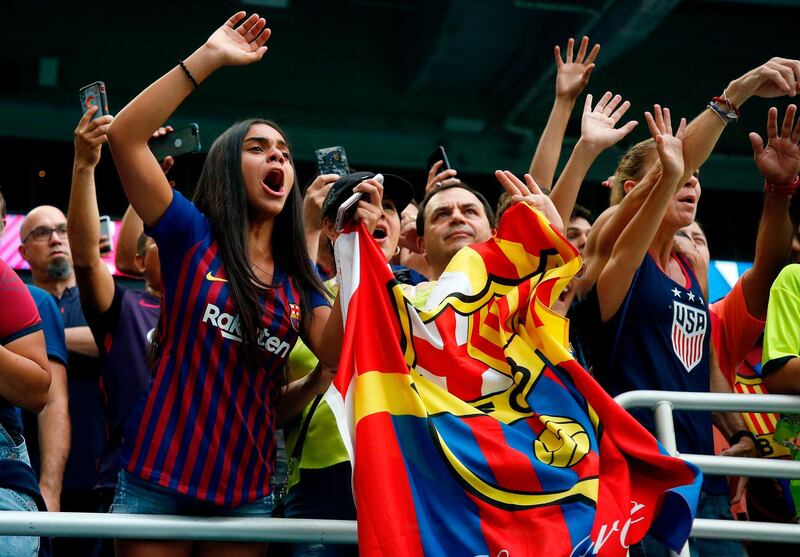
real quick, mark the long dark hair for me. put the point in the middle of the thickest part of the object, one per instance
(221, 196)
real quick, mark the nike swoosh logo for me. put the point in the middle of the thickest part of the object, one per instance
(212, 278)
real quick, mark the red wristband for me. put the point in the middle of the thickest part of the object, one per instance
(782, 189)
(732, 107)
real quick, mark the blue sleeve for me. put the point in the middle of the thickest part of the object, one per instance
(181, 226)
(316, 299)
(52, 324)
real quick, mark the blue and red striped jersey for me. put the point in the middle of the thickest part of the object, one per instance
(206, 426)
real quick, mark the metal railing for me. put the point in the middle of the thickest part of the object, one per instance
(664, 402)
(95, 525)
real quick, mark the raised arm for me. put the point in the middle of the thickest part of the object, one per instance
(779, 164)
(131, 226)
(630, 249)
(312, 211)
(145, 185)
(571, 78)
(775, 78)
(597, 134)
(95, 282)
(326, 331)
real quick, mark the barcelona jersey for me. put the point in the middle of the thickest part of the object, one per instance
(206, 427)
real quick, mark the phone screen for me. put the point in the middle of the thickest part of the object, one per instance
(107, 232)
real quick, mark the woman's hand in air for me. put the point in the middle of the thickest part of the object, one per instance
(237, 46)
(573, 75)
(597, 125)
(668, 145)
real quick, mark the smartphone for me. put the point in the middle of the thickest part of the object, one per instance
(439, 154)
(177, 142)
(94, 94)
(332, 160)
(107, 230)
(345, 212)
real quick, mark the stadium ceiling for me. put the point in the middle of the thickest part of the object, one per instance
(390, 79)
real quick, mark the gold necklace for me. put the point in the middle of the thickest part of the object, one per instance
(255, 266)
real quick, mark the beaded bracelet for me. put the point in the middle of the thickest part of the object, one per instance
(188, 74)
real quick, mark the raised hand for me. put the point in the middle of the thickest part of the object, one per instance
(370, 207)
(669, 146)
(314, 198)
(529, 192)
(573, 75)
(438, 177)
(777, 77)
(597, 125)
(89, 137)
(236, 46)
(779, 162)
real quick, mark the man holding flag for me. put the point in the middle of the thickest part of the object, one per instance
(472, 430)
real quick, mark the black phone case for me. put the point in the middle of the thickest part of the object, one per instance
(177, 142)
(439, 154)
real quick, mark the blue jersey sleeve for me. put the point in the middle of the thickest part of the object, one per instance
(52, 324)
(181, 226)
(316, 299)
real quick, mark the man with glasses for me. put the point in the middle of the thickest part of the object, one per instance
(45, 247)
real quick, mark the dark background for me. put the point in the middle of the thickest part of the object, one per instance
(389, 80)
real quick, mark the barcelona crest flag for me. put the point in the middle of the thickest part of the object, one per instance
(472, 430)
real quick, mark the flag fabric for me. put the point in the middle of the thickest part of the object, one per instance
(472, 430)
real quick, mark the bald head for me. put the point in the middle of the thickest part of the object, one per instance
(44, 244)
(40, 214)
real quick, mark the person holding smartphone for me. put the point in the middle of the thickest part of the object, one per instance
(238, 289)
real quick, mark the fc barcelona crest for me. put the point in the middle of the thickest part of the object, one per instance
(294, 316)
(689, 326)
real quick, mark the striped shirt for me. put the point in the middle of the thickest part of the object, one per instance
(206, 427)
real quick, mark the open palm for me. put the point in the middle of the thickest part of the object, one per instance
(572, 75)
(779, 163)
(597, 125)
(668, 145)
(240, 45)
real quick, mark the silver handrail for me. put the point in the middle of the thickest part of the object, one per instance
(663, 403)
(95, 525)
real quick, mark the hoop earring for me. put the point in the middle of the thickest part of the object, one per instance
(396, 251)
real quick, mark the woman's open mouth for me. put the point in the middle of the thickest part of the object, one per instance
(379, 233)
(273, 181)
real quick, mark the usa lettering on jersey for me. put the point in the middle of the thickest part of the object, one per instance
(229, 328)
(689, 326)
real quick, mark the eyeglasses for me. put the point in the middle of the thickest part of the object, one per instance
(43, 233)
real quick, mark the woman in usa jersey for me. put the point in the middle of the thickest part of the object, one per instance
(239, 289)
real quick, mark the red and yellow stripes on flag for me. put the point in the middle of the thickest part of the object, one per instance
(473, 431)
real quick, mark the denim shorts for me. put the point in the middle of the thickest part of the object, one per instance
(137, 496)
(11, 500)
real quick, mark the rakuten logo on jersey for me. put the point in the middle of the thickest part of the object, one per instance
(229, 328)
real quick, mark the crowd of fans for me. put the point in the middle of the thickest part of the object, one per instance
(166, 399)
